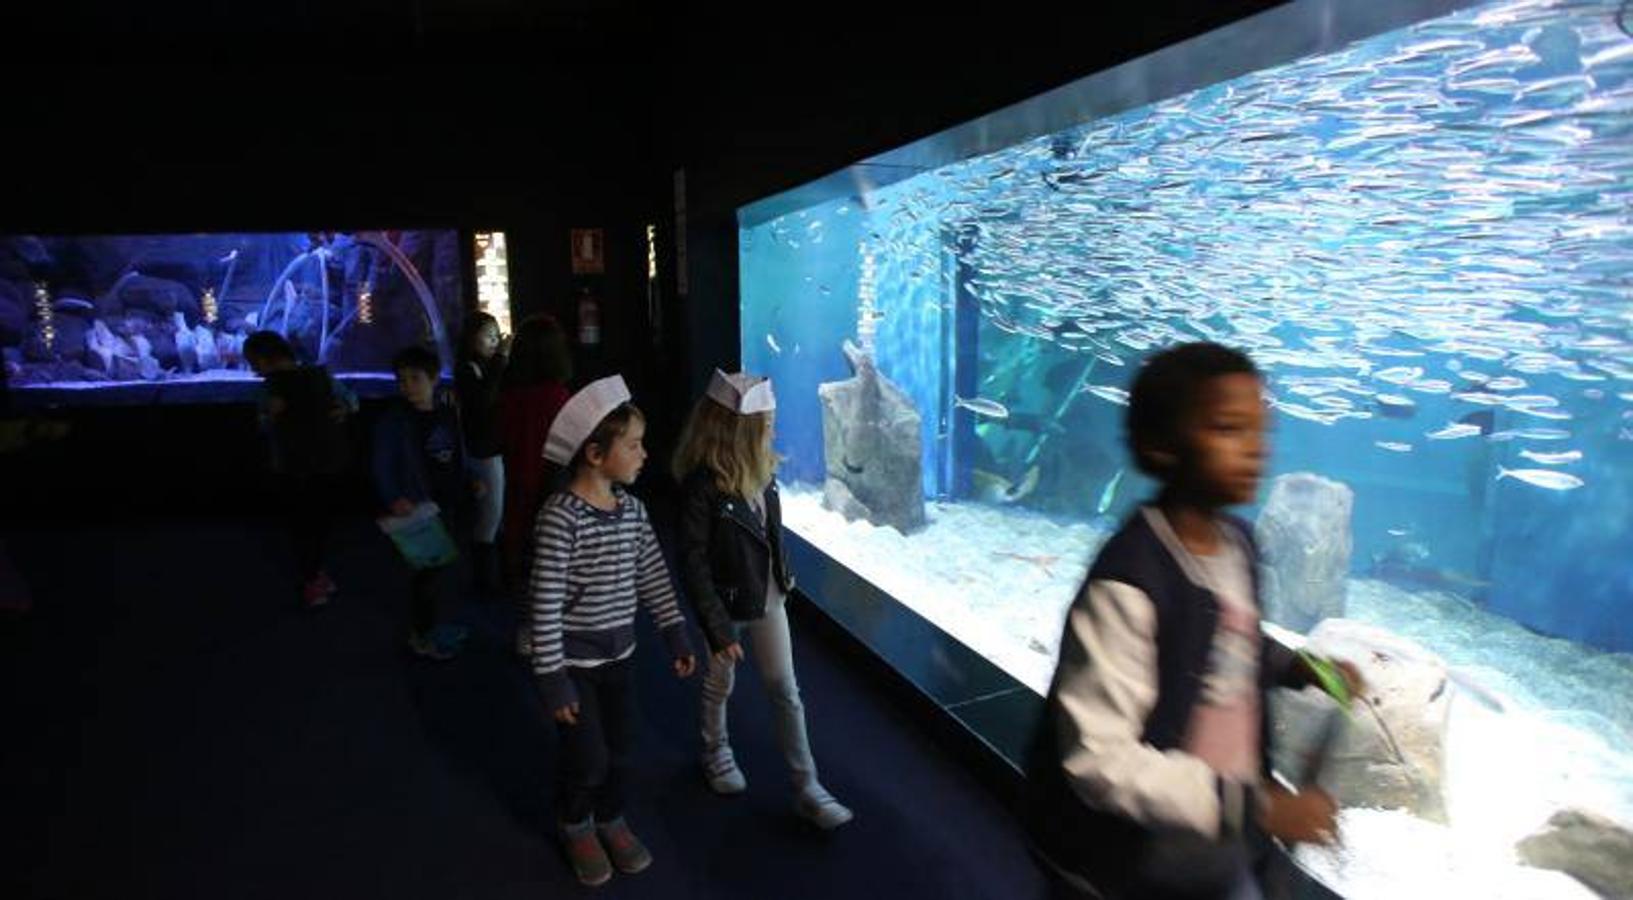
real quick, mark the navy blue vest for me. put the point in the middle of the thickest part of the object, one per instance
(1102, 844)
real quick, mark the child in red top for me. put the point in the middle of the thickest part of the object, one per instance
(535, 390)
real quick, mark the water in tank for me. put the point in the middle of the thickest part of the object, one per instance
(139, 318)
(1424, 237)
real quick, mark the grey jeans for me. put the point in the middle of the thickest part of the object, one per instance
(766, 642)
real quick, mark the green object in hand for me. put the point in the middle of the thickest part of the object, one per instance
(1328, 677)
(421, 537)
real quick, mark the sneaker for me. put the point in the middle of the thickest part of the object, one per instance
(720, 769)
(817, 806)
(427, 646)
(313, 594)
(628, 854)
(588, 859)
(325, 583)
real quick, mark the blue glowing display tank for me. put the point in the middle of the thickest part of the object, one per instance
(162, 318)
(1417, 218)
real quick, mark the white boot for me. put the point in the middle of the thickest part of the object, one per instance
(814, 804)
(720, 768)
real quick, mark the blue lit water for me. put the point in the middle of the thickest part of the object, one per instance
(85, 318)
(1425, 239)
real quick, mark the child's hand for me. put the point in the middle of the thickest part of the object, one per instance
(1307, 817)
(504, 344)
(479, 489)
(685, 666)
(275, 406)
(732, 652)
(402, 506)
(568, 715)
(338, 411)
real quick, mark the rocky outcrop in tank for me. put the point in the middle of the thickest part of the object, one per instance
(871, 444)
(1303, 534)
(1391, 753)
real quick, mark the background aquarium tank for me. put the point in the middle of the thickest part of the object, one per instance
(109, 318)
(1418, 219)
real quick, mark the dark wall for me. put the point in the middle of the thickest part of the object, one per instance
(120, 149)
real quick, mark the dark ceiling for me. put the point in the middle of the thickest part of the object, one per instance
(150, 115)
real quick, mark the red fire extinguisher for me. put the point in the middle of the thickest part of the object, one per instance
(589, 318)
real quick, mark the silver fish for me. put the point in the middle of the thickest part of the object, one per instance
(1453, 431)
(1394, 446)
(1553, 415)
(772, 343)
(1622, 50)
(1109, 493)
(1299, 411)
(1532, 401)
(1509, 58)
(1532, 434)
(1552, 459)
(1542, 478)
(1108, 392)
(1431, 386)
(981, 406)
(1399, 374)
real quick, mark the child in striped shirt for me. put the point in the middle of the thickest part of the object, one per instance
(595, 556)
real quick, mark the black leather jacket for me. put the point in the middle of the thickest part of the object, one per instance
(726, 555)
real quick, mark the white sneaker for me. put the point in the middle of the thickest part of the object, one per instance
(817, 806)
(720, 768)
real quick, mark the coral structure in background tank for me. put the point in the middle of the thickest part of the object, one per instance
(1423, 234)
(92, 317)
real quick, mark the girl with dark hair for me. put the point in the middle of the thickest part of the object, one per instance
(478, 376)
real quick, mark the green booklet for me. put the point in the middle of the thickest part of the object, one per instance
(421, 537)
(1329, 678)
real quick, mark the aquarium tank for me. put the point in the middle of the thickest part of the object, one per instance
(1417, 218)
(162, 318)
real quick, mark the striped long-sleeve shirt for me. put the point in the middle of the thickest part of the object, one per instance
(590, 568)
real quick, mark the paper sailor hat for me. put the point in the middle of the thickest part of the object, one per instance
(742, 393)
(579, 416)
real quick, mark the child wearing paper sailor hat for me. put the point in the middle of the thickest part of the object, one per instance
(595, 547)
(736, 573)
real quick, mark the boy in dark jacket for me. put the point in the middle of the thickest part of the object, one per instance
(419, 458)
(1149, 775)
(303, 411)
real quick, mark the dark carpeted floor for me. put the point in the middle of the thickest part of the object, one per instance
(174, 727)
